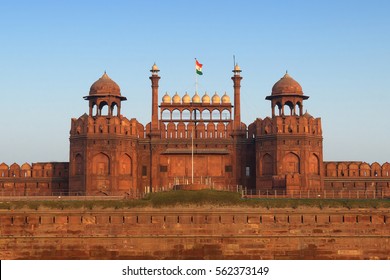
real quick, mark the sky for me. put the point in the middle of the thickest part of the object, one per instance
(52, 51)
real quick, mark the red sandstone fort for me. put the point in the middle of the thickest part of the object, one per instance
(198, 139)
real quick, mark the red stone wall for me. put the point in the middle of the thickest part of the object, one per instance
(47, 178)
(196, 233)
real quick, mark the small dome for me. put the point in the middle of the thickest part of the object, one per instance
(186, 99)
(196, 98)
(216, 98)
(225, 98)
(166, 98)
(206, 98)
(286, 86)
(104, 86)
(176, 99)
(155, 68)
(237, 68)
(307, 115)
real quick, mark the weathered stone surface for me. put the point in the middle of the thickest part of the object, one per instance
(196, 233)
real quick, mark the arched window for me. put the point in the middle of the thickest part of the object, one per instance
(103, 109)
(166, 115)
(176, 114)
(226, 115)
(206, 115)
(215, 115)
(114, 109)
(185, 115)
(196, 115)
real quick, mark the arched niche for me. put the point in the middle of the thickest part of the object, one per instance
(267, 165)
(125, 165)
(101, 164)
(314, 164)
(79, 165)
(291, 163)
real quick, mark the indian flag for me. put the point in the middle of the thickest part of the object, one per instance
(198, 67)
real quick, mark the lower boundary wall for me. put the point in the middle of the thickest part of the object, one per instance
(195, 233)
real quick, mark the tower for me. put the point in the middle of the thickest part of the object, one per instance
(102, 145)
(154, 79)
(289, 144)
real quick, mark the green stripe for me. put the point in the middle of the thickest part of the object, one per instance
(199, 72)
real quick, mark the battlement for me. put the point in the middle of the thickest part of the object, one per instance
(103, 125)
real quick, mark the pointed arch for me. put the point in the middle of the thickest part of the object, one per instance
(267, 165)
(125, 164)
(291, 163)
(79, 165)
(314, 164)
(101, 164)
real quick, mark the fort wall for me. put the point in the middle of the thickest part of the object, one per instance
(196, 233)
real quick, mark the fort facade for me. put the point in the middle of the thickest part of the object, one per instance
(194, 139)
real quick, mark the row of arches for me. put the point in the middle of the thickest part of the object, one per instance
(104, 108)
(356, 169)
(36, 170)
(102, 165)
(291, 164)
(196, 114)
(200, 130)
(288, 108)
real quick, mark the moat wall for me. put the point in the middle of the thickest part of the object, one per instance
(196, 233)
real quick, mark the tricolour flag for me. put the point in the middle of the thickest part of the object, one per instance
(198, 67)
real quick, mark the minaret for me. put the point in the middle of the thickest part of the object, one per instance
(154, 78)
(237, 86)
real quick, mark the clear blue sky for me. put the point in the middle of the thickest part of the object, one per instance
(52, 51)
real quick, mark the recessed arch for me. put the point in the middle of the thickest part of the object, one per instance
(101, 164)
(78, 169)
(125, 165)
(291, 163)
(314, 164)
(267, 165)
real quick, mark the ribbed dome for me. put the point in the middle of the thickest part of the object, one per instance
(196, 98)
(206, 98)
(166, 98)
(176, 99)
(105, 86)
(186, 99)
(216, 98)
(286, 86)
(225, 98)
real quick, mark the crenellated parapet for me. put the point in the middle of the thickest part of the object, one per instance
(286, 125)
(41, 178)
(353, 169)
(121, 126)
